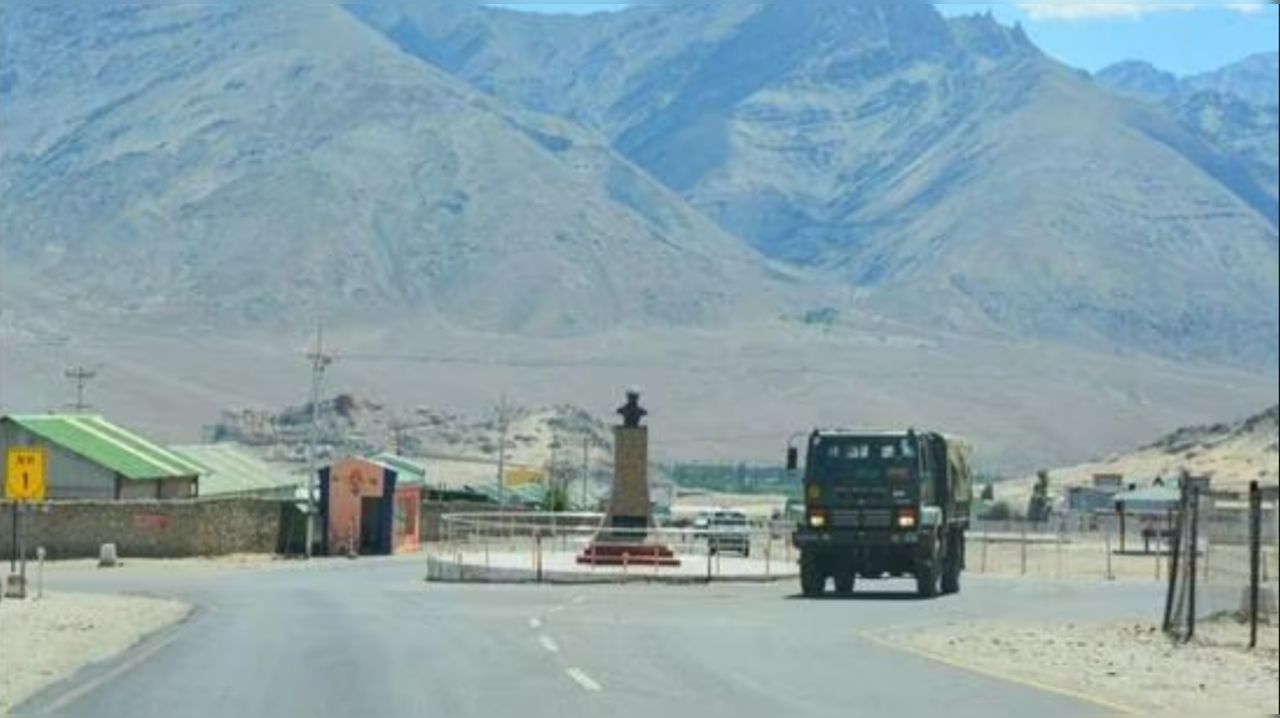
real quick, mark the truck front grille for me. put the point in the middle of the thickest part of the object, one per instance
(861, 518)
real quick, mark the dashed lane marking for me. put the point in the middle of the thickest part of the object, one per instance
(583, 680)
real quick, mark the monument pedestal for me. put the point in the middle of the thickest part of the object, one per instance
(623, 540)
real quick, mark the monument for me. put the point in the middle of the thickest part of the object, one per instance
(624, 536)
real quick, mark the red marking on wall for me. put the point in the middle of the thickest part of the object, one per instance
(150, 522)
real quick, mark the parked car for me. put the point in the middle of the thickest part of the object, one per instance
(728, 531)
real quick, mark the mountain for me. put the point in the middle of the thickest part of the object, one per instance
(1233, 109)
(946, 171)
(769, 219)
(264, 166)
(1140, 79)
(1246, 132)
(1252, 79)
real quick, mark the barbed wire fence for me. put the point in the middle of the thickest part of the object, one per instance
(1223, 566)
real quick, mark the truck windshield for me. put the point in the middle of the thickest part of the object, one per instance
(862, 458)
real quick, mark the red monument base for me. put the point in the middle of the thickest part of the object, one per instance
(621, 554)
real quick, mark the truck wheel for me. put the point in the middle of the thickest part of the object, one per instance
(927, 573)
(812, 582)
(952, 565)
(927, 580)
(951, 577)
(844, 582)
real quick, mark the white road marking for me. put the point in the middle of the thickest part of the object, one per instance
(555, 609)
(579, 599)
(583, 680)
(535, 623)
(548, 644)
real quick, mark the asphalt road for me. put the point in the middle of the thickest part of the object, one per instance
(371, 638)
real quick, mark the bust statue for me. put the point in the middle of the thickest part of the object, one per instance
(632, 412)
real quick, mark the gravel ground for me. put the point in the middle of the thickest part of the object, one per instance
(1130, 664)
(46, 640)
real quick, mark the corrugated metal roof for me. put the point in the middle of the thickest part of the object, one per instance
(409, 472)
(109, 445)
(232, 470)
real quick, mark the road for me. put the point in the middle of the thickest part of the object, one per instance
(371, 638)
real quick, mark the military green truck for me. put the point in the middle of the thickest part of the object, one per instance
(883, 504)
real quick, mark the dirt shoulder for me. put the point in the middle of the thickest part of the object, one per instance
(1127, 664)
(46, 640)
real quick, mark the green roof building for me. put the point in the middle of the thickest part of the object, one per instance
(88, 457)
(232, 471)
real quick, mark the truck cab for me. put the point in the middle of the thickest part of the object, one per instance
(882, 504)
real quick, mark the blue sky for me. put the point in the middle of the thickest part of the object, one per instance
(1182, 38)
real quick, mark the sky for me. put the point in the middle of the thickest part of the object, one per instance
(1182, 38)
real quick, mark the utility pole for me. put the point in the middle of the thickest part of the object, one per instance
(504, 417)
(398, 437)
(81, 376)
(586, 469)
(319, 362)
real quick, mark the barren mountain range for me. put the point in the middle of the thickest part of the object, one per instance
(771, 215)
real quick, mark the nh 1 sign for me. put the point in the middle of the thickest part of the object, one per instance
(24, 478)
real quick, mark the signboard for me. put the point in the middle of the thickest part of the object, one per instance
(24, 478)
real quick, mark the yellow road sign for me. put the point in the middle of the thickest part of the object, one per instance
(24, 474)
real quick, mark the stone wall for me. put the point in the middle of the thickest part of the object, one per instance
(147, 529)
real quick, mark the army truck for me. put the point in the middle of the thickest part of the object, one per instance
(883, 504)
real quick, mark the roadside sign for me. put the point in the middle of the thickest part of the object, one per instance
(24, 478)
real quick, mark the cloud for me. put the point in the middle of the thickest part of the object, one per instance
(1079, 11)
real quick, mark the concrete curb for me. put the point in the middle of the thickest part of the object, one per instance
(451, 572)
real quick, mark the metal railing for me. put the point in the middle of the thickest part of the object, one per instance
(561, 546)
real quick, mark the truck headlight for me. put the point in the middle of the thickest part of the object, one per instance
(906, 520)
(817, 521)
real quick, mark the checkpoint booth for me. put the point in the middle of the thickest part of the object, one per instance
(370, 506)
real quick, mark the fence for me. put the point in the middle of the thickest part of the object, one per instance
(559, 547)
(1223, 569)
(546, 546)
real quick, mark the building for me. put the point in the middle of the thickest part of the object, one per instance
(1090, 499)
(370, 506)
(232, 471)
(88, 457)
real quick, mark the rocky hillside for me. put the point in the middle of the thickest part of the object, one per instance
(1251, 80)
(237, 165)
(458, 449)
(933, 166)
(1231, 453)
(1234, 109)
